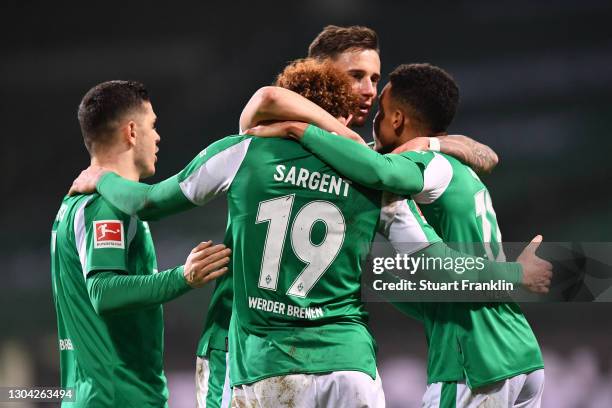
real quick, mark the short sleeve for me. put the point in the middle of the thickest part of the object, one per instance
(102, 235)
(212, 171)
(437, 175)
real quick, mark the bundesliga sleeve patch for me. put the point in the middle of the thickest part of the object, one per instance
(108, 234)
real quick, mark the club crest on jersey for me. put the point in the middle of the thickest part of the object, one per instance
(108, 234)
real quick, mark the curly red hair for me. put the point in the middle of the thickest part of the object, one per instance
(321, 83)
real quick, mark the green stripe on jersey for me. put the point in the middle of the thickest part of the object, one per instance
(448, 395)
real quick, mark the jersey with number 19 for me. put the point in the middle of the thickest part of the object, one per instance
(300, 233)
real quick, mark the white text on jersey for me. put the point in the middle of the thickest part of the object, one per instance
(325, 183)
(285, 309)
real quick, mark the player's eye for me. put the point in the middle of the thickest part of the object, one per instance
(357, 75)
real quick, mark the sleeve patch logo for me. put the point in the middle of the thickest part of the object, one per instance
(108, 234)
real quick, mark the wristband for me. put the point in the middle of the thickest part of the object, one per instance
(434, 144)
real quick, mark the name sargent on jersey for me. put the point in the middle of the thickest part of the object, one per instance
(312, 180)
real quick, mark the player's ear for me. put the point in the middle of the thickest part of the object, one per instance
(128, 133)
(398, 120)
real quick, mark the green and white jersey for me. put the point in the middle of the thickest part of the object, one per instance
(116, 359)
(494, 340)
(216, 324)
(299, 234)
(400, 222)
(485, 342)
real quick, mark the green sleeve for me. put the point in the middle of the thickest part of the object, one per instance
(112, 292)
(208, 175)
(396, 173)
(410, 234)
(149, 202)
(511, 272)
(102, 237)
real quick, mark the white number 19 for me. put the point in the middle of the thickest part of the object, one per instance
(276, 213)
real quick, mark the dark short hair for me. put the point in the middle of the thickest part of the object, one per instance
(334, 40)
(105, 103)
(429, 92)
(321, 83)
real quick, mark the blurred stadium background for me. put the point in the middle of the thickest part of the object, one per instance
(536, 85)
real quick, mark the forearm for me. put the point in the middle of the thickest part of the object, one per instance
(481, 158)
(111, 292)
(149, 202)
(392, 172)
(442, 265)
(278, 104)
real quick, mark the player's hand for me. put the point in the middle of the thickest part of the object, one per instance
(205, 263)
(416, 144)
(87, 180)
(537, 272)
(292, 129)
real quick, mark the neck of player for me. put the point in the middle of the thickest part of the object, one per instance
(121, 162)
(407, 133)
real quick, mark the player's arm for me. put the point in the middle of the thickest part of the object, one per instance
(423, 175)
(272, 103)
(114, 291)
(147, 201)
(410, 234)
(208, 175)
(480, 157)
(397, 173)
(529, 271)
(103, 235)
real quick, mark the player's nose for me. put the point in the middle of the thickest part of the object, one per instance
(368, 89)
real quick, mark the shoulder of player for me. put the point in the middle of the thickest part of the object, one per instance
(433, 161)
(461, 171)
(218, 147)
(71, 204)
(438, 175)
(97, 208)
(226, 143)
(451, 159)
(423, 157)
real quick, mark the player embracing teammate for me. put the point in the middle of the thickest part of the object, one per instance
(107, 290)
(477, 352)
(299, 232)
